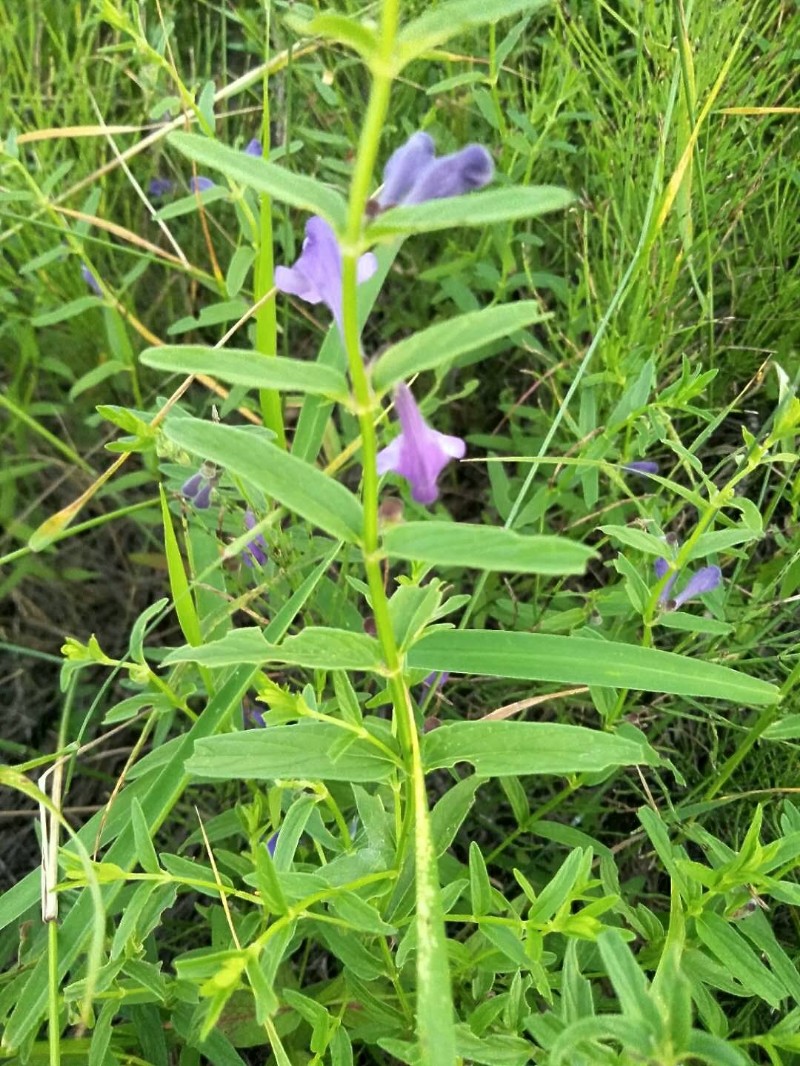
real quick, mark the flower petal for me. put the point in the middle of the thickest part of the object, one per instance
(253, 147)
(191, 486)
(202, 499)
(641, 466)
(367, 265)
(420, 453)
(317, 275)
(294, 282)
(705, 580)
(389, 457)
(159, 187)
(91, 280)
(255, 551)
(200, 184)
(452, 175)
(661, 566)
(404, 167)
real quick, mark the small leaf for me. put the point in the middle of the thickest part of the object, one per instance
(476, 209)
(292, 751)
(362, 39)
(252, 369)
(442, 21)
(178, 581)
(297, 485)
(739, 958)
(443, 342)
(282, 185)
(316, 647)
(503, 749)
(485, 548)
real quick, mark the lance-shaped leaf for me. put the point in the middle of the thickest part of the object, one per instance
(316, 647)
(443, 342)
(584, 661)
(442, 21)
(485, 548)
(297, 485)
(506, 749)
(281, 184)
(256, 371)
(477, 209)
(316, 751)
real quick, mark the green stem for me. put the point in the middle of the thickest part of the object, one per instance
(435, 1030)
(267, 314)
(365, 402)
(53, 1029)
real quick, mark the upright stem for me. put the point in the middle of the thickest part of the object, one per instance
(366, 404)
(266, 316)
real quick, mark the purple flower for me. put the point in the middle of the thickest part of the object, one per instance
(316, 277)
(255, 551)
(253, 147)
(200, 184)
(413, 174)
(705, 580)
(197, 489)
(641, 466)
(420, 453)
(91, 280)
(272, 843)
(159, 187)
(428, 682)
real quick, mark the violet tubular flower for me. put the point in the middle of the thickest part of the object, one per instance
(437, 679)
(158, 187)
(641, 466)
(704, 580)
(316, 277)
(197, 489)
(413, 174)
(91, 280)
(255, 551)
(253, 147)
(200, 184)
(419, 453)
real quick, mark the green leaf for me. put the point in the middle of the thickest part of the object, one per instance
(485, 548)
(65, 311)
(503, 749)
(720, 540)
(316, 647)
(252, 369)
(362, 39)
(739, 958)
(297, 485)
(694, 623)
(360, 915)
(636, 538)
(445, 20)
(296, 189)
(178, 582)
(440, 343)
(580, 660)
(477, 209)
(628, 980)
(479, 885)
(293, 751)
